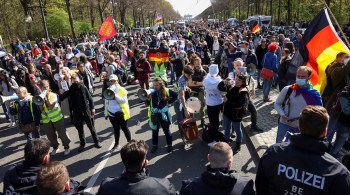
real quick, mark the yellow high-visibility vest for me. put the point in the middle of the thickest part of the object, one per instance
(124, 106)
(160, 71)
(52, 115)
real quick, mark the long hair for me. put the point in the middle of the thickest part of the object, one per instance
(162, 88)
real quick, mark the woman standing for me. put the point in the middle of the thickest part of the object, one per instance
(158, 113)
(117, 110)
(9, 87)
(269, 62)
(64, 84)
(235, 105)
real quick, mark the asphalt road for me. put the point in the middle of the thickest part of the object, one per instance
(93, 165)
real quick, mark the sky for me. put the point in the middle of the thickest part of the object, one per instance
(192, 7)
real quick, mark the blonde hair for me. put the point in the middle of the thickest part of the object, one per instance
(220, 153)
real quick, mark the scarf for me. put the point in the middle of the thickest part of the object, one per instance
(309, 93)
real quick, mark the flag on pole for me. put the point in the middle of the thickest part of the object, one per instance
(107, 29)
(159, 19)
(256, 27)
(319, 47)
(158, 55)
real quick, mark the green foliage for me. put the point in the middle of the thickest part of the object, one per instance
(58, 23)
(82, 26)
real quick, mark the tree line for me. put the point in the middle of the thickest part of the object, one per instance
(23, 18)
(284, 12)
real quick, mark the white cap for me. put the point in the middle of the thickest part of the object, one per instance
(113, 77)
(213, 70)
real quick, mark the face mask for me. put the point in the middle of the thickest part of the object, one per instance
(182, 56)
(346, 60)
(283, 57)
(300, 82)
(243, 50)
(15, 68)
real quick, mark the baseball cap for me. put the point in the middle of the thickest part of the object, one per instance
(113, 77)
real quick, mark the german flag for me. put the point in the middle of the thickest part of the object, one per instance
(158, 55)
(319, 47)
(256, 28)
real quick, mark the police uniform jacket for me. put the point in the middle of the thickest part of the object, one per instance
(218, 181)
(302, 166)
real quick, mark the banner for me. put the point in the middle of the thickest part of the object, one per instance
(107, 29)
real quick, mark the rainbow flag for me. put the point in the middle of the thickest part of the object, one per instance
(319, 47)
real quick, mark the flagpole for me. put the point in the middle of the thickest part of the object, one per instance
(336, 22)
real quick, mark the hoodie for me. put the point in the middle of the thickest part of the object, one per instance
(212, 93)
(20, 179)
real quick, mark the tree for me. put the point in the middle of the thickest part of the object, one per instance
(70, 18)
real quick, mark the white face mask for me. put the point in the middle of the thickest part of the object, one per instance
(346, 60)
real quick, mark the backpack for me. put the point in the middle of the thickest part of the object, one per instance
(189, 129)
(290, 90)
(117, 70)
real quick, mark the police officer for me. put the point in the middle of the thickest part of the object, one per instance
(303, 166)
(117, 110)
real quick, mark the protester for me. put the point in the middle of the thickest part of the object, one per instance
(214, 100)
(143, 69)
(83, 110)
(270, 63)
(117, 110)
(235, 106)
(289, 168)
(21, 177)
(53, 120)
(218, 178)
(135, 179)
(159, 114)
(8, 88)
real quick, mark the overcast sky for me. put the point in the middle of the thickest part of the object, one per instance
(192, 7)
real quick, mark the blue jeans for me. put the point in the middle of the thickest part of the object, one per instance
(282, 130)
(228, 125)
(32, 135)
(258, 76)
(343, 134)
(331, 128)
(179, 114)
(267, 88)
(172, 75)
(230, 67)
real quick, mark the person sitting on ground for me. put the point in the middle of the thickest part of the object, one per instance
(218, 178)
(21, 178)
(53, 179)
(135, 179)
(303, 166)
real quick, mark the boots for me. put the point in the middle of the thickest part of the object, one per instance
(237, 147)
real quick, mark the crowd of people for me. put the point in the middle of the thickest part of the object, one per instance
(221, 66)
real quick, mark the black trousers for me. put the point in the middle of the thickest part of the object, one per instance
(117, 125)
(214, 119)
(79, 119)
(253, 113)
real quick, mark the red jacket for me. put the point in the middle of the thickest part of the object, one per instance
(146, 70)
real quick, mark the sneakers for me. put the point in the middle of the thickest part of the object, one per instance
(98, 145)
(169, 149)
(211, 144)
(66, 151)
(154, 149)
(12, 124)
(55, 151)
(2, 116)
(116, 147)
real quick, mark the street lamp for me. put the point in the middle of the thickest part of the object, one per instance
(29, 19)
(114, 4)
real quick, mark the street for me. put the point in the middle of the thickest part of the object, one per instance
(92, 165)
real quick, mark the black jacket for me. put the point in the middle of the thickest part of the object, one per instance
(218, 181)
(80, 97)
(236, 102)
(20, 179)
(301, 165)
(135, 184)
(75, 189)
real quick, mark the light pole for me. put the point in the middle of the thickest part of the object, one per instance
(43, 18)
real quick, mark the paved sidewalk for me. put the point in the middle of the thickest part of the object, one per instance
(267, 121)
